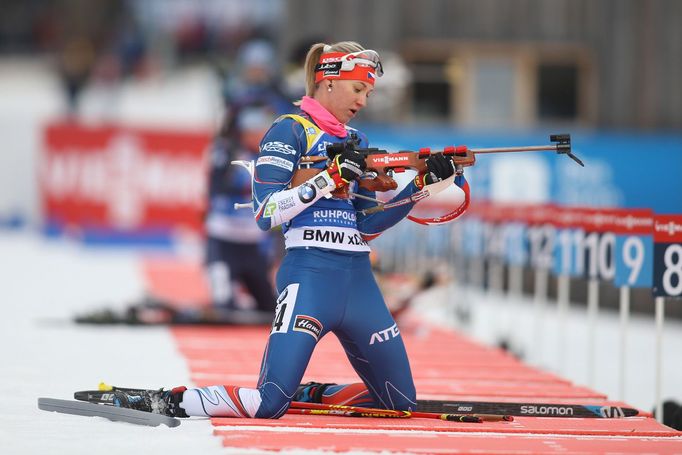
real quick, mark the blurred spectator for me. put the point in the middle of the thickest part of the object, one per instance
(237, 250)
(239, 256)
(129, 47)
(76, 60)
(254, 80)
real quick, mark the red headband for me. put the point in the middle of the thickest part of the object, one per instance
(330, 67)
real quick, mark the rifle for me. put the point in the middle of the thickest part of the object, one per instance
(382, 165)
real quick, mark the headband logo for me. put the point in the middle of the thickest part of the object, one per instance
(330, 59)
(362, 66)
(329, 68)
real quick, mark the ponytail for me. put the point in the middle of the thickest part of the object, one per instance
(313, 58)
(311, 61)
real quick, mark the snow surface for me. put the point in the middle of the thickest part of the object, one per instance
(44, 283)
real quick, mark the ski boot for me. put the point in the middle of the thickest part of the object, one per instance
(165, 402)
(311, 392)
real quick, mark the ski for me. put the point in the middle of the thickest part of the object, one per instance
(526, 409)
(105, 396)
(151, 312)
(112, 413)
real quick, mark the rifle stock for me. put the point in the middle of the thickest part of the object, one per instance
(383, 164)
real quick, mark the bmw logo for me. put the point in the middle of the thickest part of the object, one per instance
(306, 192)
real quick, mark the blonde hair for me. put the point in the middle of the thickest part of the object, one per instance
(313, 58)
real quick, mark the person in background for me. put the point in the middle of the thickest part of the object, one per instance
(75, 63)
(325, 281)
(237, 251)
(238, 255)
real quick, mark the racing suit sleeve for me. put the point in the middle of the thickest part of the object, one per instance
(280, 150)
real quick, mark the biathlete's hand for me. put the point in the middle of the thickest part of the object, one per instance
(439, 167)
(346, 167)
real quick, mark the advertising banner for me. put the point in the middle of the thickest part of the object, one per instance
(122, 180)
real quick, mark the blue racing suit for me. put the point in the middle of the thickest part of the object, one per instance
(325, 282)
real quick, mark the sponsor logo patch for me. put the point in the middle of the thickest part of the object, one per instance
(306, 193)
(385, 335)
(322, 146)
(330, 59)
(547, 410)
(270, 208)
(278, 147)
(330, 68)
(336, 217)
(286, 203)
(275, 161)
(331, 236)
(309, 325)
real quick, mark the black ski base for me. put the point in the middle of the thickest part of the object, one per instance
(155, 312)
(526, 409)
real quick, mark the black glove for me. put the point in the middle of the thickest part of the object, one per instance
(346, 167)
(439, 167)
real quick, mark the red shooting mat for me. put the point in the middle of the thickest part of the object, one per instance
(238, 362)
(231, 355)
(631, 426)
(445, 365)
(441, 443)
(177, 282)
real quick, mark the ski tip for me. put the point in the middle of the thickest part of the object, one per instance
(104, 387)
(112, 413)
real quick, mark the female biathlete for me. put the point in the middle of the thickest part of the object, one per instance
(325, 282)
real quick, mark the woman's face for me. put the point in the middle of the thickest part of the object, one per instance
(346, 98)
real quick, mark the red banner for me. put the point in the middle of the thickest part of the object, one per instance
(122, 179)
(668, 229)
(619, 221)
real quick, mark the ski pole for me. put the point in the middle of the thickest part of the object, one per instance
(377, 413)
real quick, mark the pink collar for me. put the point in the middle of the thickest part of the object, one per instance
(323, 117)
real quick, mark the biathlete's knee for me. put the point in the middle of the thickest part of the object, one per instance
(405, 405)
(275, 402)
(402, 400)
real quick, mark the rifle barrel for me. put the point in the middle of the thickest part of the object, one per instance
(529, 148)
